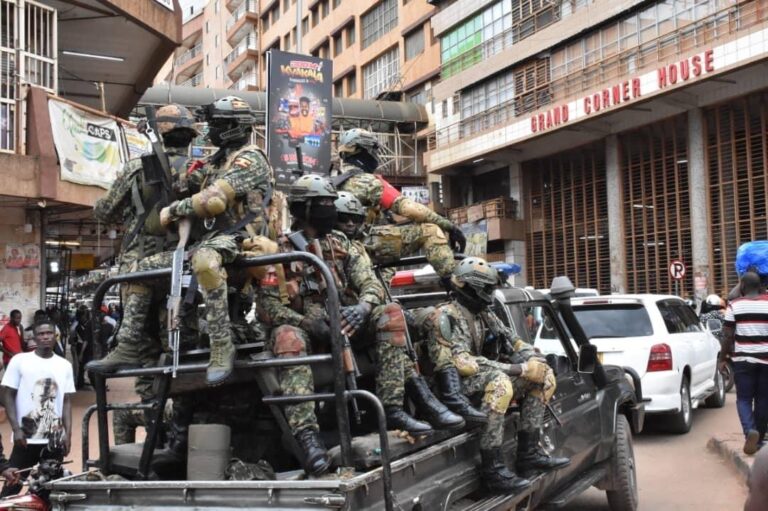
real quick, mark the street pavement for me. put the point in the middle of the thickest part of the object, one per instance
(678, 472)
(675, 472)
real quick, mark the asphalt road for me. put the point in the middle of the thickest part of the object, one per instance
(678, 472)
(675, 472)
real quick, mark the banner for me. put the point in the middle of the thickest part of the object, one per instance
(137, 143)
(298, 115)
(477, 238)
(88, 145)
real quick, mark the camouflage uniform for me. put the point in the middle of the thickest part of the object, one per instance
(118, 206)
(229, 192)
(298, 294)
(125, 422)
(387, 242)
(456, 337)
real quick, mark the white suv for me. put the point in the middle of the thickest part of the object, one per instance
(660, 337)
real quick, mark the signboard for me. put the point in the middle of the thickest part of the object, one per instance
(677, 269)
(88, 145)
(418, 194)
(168, 4)
(298, 115)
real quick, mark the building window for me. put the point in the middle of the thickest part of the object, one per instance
(265, 23)
(324, 9)
(352, 83)
(338, 88)
(218, 72)
(338, 45)
(381, 73)
(414, 43)
(532, 86)
(305, 25)
(286, 5)
(336, 3)
(216, 41)
(275, 14)
(419, 97)
(378, 21)
(350, 30)
(216, 6)
(207, 28)
(444, 109)
(287, 41)
(294, 39)
(315, 16)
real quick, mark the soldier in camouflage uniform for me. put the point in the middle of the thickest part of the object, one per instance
(384, 241)
(457, 332)
(135, 200)
(293, 298)
(230, 214)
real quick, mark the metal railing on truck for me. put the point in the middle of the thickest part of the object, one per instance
(340, 396)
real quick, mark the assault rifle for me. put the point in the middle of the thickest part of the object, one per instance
(174, 298)
(351, 370)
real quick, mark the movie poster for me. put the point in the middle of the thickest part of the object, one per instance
(298, 115)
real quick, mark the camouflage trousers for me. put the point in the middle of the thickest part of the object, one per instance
(393, 366)
(125, 422)
(497, 390)
(386, 243)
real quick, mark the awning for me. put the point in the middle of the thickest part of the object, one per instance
(343, 108)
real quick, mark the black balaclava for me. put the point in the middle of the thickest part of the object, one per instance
(178, 138)
(363, 160)
(322, 218)
(467, 297)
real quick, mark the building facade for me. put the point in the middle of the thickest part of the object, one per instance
(628, 135)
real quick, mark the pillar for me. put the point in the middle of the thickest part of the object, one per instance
(617, 248)
(697, 186)
(514, 250)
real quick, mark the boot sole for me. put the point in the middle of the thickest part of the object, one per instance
(322, 471)
(216, 383)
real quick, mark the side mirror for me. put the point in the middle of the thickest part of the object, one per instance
(587, 358)
(561, 287)
(714, 325)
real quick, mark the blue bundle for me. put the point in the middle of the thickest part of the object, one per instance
(753, 256)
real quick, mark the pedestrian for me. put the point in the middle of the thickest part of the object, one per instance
(37, 390)
(11, 337)
(745, 340)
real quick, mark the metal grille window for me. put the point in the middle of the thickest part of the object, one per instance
(414, 43)
(532, 86)
(378, 21)
(530, 16)
(484, 98)
(656, 205)
(381, 73)
(737, 151)
(567, 218)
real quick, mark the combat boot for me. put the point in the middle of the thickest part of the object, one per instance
(455, 400)
(429, 407)
(222, 362)
(531, 457)
(496, 476)
(398, 419)
(316, 460)
(126, 356)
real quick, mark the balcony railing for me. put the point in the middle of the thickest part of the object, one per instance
(248, 79)
(249, 6)
(718, 27)
(190, 54)
(194, 81)
(250, 42)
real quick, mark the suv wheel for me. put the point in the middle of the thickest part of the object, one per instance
(717, 399)
(623, 496)
(681, 421)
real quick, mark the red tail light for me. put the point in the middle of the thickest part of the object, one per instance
(660, 358)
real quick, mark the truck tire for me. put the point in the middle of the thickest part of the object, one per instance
(681, 421)
(623, 496)
(717, 399)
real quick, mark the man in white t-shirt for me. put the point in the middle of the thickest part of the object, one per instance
(37, 389)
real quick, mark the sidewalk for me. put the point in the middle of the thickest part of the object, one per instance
(729, 446)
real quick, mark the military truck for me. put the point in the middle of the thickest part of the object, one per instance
(591, 420)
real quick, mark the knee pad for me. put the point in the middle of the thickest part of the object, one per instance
(433, 236)
(390, 327)
(206, 265)
(499, 393)
(547, 389)
(288, 342)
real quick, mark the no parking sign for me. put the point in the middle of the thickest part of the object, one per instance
(677, 269)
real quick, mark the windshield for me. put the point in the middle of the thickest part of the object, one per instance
(614, 320)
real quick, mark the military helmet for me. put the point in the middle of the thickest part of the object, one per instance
(311, 186)
(478, 275)
(172, 117)
(356, 140)
(228, 108)
(348, 204)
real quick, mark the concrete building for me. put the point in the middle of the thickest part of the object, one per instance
(95, 57)
(628, 134)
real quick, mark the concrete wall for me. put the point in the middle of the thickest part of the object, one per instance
(19, 287)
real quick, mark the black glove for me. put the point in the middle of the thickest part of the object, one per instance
(457, 240)
(353, 317)
(317, 329)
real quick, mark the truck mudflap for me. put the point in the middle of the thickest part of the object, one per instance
(442, 476)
